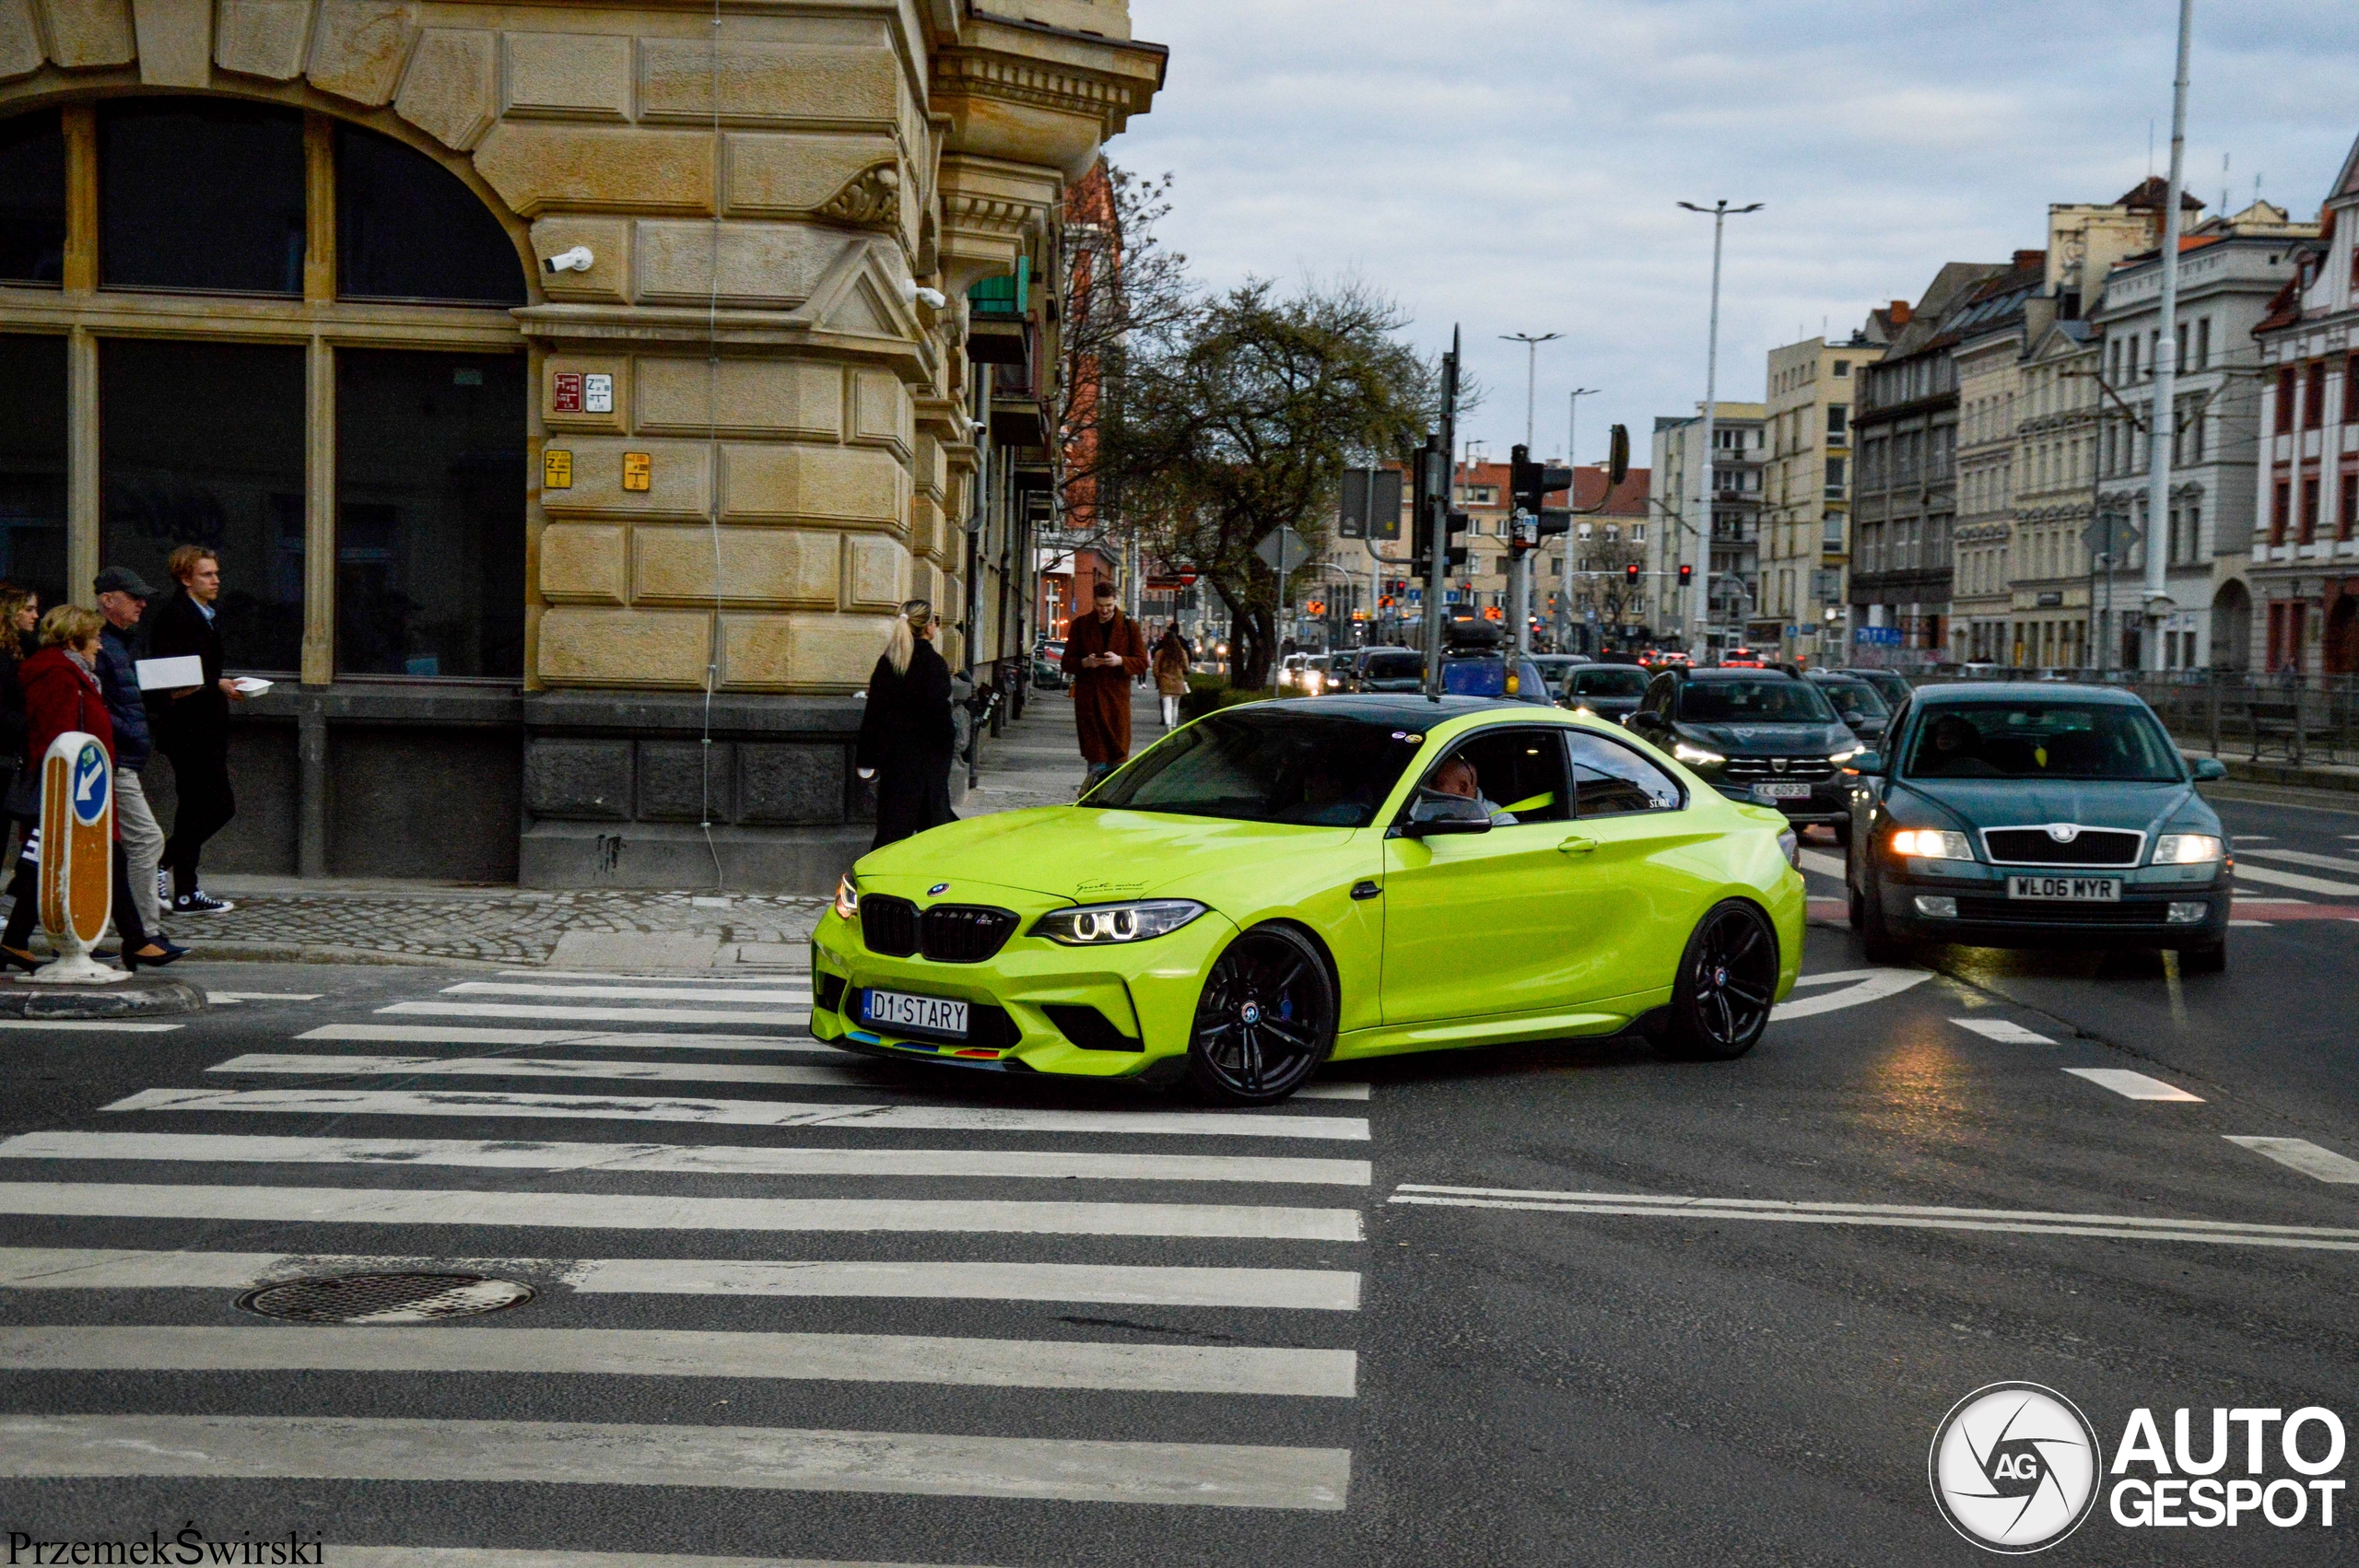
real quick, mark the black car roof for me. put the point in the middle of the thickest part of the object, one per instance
(1734, 672)
(2026, 691)
(1393, 710)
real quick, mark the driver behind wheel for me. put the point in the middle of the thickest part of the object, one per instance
(1457, 777)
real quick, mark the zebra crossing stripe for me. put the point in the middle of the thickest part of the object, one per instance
(688, 1352)
(629, 993)
(748, 1113)
(459, 1034)
(608, 1453)
(689, 1159)
(624, 1211)
(1316, 1290)
(771, 1016)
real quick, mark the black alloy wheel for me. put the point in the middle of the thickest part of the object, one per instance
(1727, 981)
(1266, 1019)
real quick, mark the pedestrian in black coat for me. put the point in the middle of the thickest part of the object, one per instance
(908, 737)
(191, 725)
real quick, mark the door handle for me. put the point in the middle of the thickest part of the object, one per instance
(1577, 845)
(1365, 889)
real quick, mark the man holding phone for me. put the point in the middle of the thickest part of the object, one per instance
(1105, 651)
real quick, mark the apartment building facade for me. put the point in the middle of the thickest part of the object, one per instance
(1804, 549)
(1728, 573)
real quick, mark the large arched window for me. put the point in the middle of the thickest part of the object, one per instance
(295, 334)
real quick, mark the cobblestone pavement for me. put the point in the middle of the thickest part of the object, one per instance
(1036, 763)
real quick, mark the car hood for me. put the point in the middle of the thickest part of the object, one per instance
(1092, 855)
(1973, 803)
(1767, 740)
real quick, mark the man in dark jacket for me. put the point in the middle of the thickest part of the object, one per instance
(191, 723)
(122, 599)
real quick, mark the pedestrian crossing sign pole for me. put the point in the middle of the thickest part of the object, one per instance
(76, 858)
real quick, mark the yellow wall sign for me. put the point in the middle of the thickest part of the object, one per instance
(638, 471)
(556, 470)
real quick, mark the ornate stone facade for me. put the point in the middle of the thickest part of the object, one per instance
(772, 197)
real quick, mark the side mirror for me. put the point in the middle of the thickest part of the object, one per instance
(2210, 768)
(1870, 762)
(1433, 814)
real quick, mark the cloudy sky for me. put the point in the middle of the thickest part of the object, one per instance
(1513, 165)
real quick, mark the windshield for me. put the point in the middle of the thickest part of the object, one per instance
(1394, 667)
(2044, 739)
(1771, 699)
(1610, 680)
(1488, 677)
(1855, 701)
(1267, 767)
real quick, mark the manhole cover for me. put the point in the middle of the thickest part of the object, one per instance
(385, 1298)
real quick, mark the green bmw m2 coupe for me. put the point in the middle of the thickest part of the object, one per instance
(1285, 883)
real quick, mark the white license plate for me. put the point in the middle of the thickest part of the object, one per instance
(1781, 792)
(2067, 889)
(896, 1010)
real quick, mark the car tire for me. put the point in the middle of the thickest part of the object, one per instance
(2211, 960)
(1266, 1020)
(1725, 986)
(1876, 941)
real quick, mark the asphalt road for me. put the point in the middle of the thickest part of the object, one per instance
(1296, 1344)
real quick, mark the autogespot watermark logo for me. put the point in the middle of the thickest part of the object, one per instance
(2016, 1467)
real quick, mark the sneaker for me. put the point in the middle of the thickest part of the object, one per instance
(163, 886)
(201, 903)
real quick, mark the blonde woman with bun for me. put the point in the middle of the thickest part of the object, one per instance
(908, 738)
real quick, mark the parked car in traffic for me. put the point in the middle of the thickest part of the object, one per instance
(2026, 814)
(1861, 706)
(1608, 691)
(1555, 667)
(1389, 669)
(1894, 685)
(1759, 735)
(1049, 665)
(1496, 676)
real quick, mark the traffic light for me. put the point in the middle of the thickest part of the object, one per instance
(1686, 575)
(1458, 524)
(1555, 520)
(1630, 574)
(1529, 481)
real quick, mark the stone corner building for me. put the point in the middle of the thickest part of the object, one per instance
(559, 384)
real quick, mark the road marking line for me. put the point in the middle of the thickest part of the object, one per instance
(458, 1035)
(1321, 1290)
(263, 996)
(2303, 858)
(596, 1015)
(689, 1159)
(627, 993)
(1825, 864)
(631, 1212)
(2004, 1030)
(616, 1453)
(535, 1557)
(2263, 925)
(876, 1078)
(2301, 1154)
(1881, 983)
(2133, 1085)
(942, 1361)
(745, 1113)
(1833, 975)
(89, 1025)
(2020, 1221)
(2246, 871)
(674, 978)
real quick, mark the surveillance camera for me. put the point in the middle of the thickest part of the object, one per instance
(579, 259)
(934, 298)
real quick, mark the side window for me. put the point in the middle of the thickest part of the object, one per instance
(1518, 773)
(1614, 780)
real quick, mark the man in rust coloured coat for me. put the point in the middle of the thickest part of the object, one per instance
(1105, 652)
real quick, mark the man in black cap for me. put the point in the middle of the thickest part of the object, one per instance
(122, 599)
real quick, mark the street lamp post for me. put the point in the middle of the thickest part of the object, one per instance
(1564, 618)
(2164, 416)
(1699, 609)
(1519, 560)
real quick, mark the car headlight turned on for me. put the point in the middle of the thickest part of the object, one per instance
(1095, 925)
(848, 898)
(2188, 849)
(1846, 755)
(1686, 753)
(1932, 844)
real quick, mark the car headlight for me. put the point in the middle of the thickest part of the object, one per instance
(1932, 844)
(1585, 710)
(2188, 849)
(848, 898)
(1686, 753)
(1094, 925)
(1846, 755)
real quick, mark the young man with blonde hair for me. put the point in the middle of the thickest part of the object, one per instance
(191, 723)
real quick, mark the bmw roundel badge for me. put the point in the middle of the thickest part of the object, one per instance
(937, 889)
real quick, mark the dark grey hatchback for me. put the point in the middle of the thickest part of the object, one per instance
(2021, 815)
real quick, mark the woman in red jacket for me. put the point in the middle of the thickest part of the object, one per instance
(62, 694)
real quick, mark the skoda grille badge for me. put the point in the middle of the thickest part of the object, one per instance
(2063, 832)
